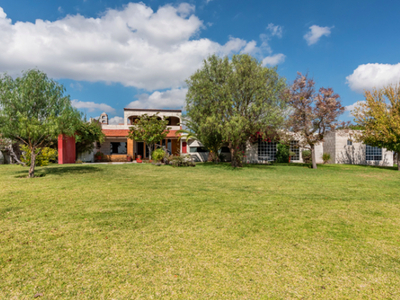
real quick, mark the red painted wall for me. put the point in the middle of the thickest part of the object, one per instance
(184, 147)
(66, 149)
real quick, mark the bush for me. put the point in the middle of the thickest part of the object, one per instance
(307, 156)
(282, 155)
(46, 155)
(326, 157)
(181, 161)
(158, 154)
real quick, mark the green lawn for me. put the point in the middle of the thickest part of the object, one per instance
(140, 231)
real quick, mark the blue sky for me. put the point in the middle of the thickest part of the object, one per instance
(115, 54)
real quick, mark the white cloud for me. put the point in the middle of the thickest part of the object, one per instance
(315, 33)
(265, 47)
(92, 106)
(116, 121)
(60, 10)
(135, 46)
(76, 86)
(250, 48)
(369, 76)
(174, 98)
(273, 60)
(353, 106)
(275, 30)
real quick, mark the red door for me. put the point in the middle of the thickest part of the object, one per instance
(184, 147)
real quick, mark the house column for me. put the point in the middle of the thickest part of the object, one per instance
(130, 148)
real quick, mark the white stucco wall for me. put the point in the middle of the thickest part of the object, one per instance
(88, 156)
(356, 153)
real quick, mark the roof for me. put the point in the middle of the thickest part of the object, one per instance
(124, 133)
(152, 110)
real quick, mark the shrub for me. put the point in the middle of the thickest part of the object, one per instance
(282, 155)
(158, 154)
(181, 161)
(307, 156)
(326, 157)
(45, 156)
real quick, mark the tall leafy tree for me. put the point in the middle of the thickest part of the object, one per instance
(35, 111)
(379, 117)
(207, 135)
(86, 135)
(231, 100)
(313, 114)
(149, 129)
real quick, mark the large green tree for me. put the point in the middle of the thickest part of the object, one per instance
(233, 99)
(379, 116)
(210, 138)
(87, 134)
(35, 110)
(149, 129)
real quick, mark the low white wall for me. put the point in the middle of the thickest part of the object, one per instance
(87, 157)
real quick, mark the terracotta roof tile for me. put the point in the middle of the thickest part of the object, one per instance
(115, 132)
(124, 133)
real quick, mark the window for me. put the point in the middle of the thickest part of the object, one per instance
(197, 149)
(225, 150)
(349, 143)
(266, 150)
(118, 148)
(294, 147)
(373, 153)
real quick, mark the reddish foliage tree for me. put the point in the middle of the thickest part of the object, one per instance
(313, 114)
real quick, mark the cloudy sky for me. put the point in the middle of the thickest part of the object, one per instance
(115, 54)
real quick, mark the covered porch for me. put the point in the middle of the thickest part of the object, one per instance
(117, 147)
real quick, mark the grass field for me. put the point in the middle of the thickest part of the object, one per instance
(211, 232)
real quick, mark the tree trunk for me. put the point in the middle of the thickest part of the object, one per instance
(33, 162)
(314, 161)
(150, 148)
(235, 160)
(398, 160)
(14, 156)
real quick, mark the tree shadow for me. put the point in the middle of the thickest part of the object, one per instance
(228, 166)
(394, 168)
(60, 171)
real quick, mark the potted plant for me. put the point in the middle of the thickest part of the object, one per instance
(98, 156)
(129, 158)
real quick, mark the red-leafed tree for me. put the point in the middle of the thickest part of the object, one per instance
(313, 114)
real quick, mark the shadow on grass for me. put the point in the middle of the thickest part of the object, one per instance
(59, 171)
(271, 166)
(394, 168)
